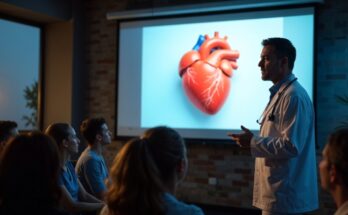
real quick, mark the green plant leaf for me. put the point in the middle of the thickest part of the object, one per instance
(31, 96)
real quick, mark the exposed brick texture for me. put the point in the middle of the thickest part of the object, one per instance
(332, 66)
(232, 168)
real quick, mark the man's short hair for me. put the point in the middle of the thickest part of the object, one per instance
(91, 127)
(5, 129)
(337, 151)
(283, 47)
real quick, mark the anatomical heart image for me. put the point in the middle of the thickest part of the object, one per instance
(206, 71)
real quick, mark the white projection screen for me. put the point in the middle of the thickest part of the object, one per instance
(150, 90)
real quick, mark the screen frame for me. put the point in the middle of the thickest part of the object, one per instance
(247, 10)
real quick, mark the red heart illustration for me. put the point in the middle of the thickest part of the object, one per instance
(206, 73)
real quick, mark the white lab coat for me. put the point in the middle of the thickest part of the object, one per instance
(285, 164)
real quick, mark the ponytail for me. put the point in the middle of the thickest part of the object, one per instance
(141, 169)
(136, 187)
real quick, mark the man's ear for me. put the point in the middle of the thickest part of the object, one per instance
(99, 137)
(285, 62)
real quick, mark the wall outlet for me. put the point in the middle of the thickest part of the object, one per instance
(212, 181)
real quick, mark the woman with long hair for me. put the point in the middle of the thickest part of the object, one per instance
(29, 171)
(75, 199)
(145, 175)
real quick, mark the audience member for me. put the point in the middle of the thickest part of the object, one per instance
(90, 167)
(8, 129)
(29, 172)
(75, 198)
(145, 175)
(333, 169)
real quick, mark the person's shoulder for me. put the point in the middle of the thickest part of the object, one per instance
(185, 209)
(194, 210)
(86, 156)
(175, 206)
(297, 92)
(87, 153)
(297, 88)
(69, 165)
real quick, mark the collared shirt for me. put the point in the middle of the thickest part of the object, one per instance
(275, 88)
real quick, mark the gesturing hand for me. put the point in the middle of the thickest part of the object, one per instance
(242, 139)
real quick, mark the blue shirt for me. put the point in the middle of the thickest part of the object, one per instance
(174, 207)
(68, 178)
(92, 171)
(275, 88)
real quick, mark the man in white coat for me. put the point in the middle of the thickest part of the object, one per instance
(285, 179)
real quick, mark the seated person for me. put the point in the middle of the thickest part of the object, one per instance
(8, 129)
(75, 199)
(29, 171)
(90, 167)
(333, 169)
(145, 175)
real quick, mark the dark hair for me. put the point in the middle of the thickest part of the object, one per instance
(29, 171)
(283, 48)
(91, 127)
(140, 170)
(167, 149)
(337, 151)
(5, 129)
(58, 131)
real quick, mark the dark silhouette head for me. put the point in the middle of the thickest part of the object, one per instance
(337, 151)
(59, 132)
(7, 129)
(283, 48)
(29, 171)
(91, 127)
(142, 170)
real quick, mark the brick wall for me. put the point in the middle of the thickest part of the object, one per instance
(232, 168)
(332, 66)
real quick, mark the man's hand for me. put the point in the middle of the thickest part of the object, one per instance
(242, 139)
